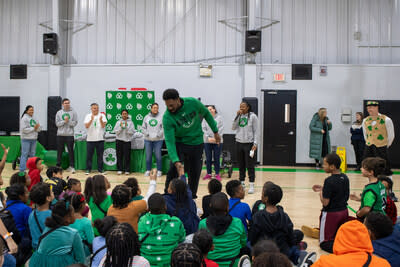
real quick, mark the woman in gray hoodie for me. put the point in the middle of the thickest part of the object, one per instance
(124, 129)
(153, 132)
(29, 128)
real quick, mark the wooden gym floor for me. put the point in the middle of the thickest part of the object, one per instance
(299, 201)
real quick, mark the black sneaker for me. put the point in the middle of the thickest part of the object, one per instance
(393, 197)
(308, 260)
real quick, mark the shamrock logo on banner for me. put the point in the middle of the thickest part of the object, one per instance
(109, 106)
(109, 95)
(109, 127)
(118, 117)
(129, 106)
(139, 117)
(109, 157)
(139, 106)
(139, 96)
(119, 106)
(148, 106)
(119, 96)
(129, 95)
(109, 116)
(149, 95)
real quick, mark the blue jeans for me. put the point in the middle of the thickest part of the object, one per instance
(212, 149)
(153, 146)
(28, 150)
(9, 260)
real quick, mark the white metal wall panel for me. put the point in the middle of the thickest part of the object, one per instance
(20, 33)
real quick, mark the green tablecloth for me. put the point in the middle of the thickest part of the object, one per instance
(14, 143)
(138, 157)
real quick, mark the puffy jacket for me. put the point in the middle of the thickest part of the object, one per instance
(389, 248)
(316, 137)
(351, 248)
(34, 172)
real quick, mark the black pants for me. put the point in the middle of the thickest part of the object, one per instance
(191, 156)
(61, 141)
(90, 146)
(245, 161)
(382, 152)
(123, 155)
(358, 146)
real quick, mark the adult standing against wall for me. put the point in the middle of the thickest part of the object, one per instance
(378, 134)
(152, 129)
(211, 148)
(29, 129)
(184, 136)
(95, 122)
(247, 131)
(320, 142)
(124, 130)
(66, 120)
(357, 139)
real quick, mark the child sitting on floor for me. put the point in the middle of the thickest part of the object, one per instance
(135, 188)
(237, 208)
(390, 209)
(99, 243)
(20, 178)
(35, 166)
(214, 186)
(55, 179)
(373, 197)
(203, 240)
(334, 195)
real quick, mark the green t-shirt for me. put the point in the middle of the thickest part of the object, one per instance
(374, 196)
(184, 126)
(85, 230)
(96, 212)
(159, 234)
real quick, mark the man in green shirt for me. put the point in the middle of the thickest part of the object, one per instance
(184, 136)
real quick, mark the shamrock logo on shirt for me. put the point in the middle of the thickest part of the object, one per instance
(243, 122)
(65, 115)
(153, 122)
(32, 123)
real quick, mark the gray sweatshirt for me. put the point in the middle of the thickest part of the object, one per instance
(246, 128)
(126, 131)
(27, 129)
(208, 133)
(66, 128)
(152, 127)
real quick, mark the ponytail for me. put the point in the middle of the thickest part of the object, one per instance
(60, 210)
(88, 188)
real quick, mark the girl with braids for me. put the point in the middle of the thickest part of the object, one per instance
(99, 243)
(96, 194)
(180, 204)
(20, 178)
(188, 255)
(247, 132)
(74, 186)
(123, 248)
(59, 245)
(135, 189)
(82, 224)
(29, 127)
(127, 211)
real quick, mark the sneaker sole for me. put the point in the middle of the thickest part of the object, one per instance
(310, 232)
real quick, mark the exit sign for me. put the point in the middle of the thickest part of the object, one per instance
(279, 77)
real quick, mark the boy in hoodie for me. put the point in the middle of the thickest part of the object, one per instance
(159, 233)
(35, 166)
(124, 129)
(334, 195)
(229, 236)
(66, 120)
(352, 247)
(271, 222)
(385, 239)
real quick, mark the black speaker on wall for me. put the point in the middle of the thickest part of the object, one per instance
(50, 43)
(18, 71)
(253, 41)
(253, 101)
(53, 105)
(301, 71)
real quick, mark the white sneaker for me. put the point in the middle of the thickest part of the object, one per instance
(87, 172)
(251, 188)
(147, 173)
(127, 173)
(159, 173)
(70, 169)
(243, 184)
(119, 172)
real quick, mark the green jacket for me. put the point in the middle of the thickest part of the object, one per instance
(184, 126)
(159, 234)
(316, 125)
(228, 244)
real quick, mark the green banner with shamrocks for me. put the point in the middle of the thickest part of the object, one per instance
(138, 104)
